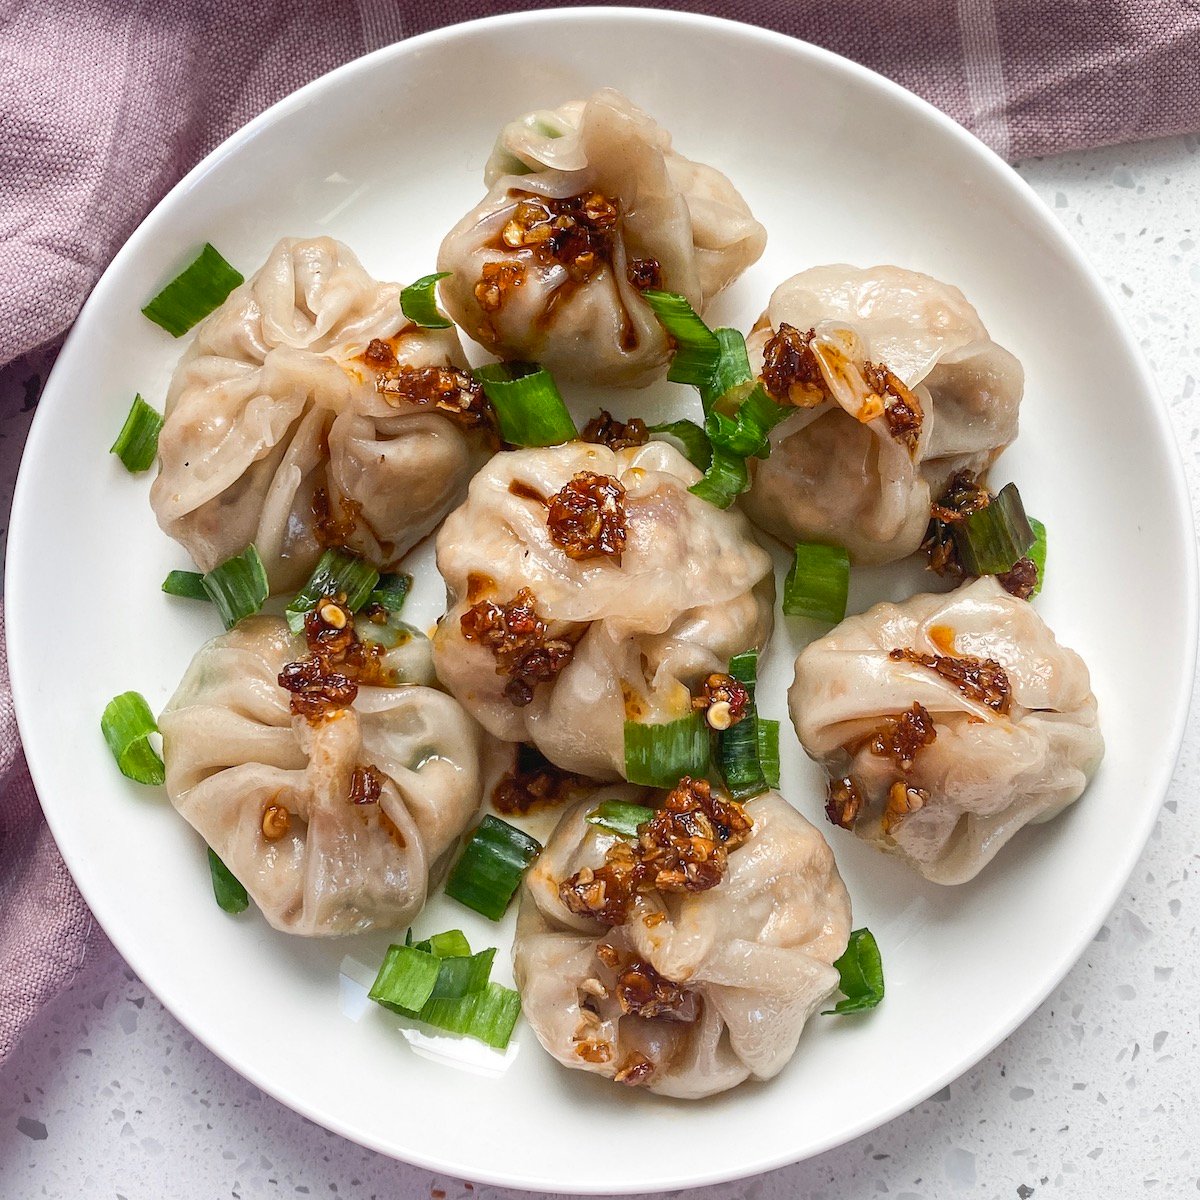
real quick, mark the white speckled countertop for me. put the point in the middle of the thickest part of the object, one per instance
(1096, 1096)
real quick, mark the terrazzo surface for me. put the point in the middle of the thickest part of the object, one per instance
(1097, 1095)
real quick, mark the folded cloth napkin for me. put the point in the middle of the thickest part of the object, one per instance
(105, 103)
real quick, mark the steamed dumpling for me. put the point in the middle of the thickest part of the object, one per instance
(555, 639)
(588, 205)
(332, 822)
(946, 724)
(693, 992)
(896, 384)
(309, 412)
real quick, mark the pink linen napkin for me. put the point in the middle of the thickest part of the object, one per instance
(105, 103)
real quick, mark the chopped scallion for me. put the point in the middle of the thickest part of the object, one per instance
(127, 724)
(487, 1015)
(193, 293)
(861, 972)
(726, 478)
(418, 302)
(489, 871)
(619, 817)
(406, 979)
(738, 746)
(137, 443)
(1037, 552)
(768, 750)
(441, 983)
(451, 944)
(230, 894)
(461, 974)
(746, 433)
(692, 438)
(732, 369)
(391, 591)
(336, 574)
(818, 583)
(697, 348)
(529, 408)
(189, 584)
(661, 755)
(994, 537)
(238, 587)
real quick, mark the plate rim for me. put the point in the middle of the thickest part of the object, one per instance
(1006, 176)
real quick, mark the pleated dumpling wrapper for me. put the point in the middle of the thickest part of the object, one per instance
(330, 804)
(896, 385)
(308, 412)
(946, 724)
(588, 586)
(588, 206)
(684, 991)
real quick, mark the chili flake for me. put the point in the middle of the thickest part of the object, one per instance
(451, 391)
(643, 992)
(606, 430)
(684, 847)
(635, 1070)
(575, 231)
(901, 802)
(516, 636)
(533, 783)
(903, 736)
(366, 785)
(586, 517)
(1020, 579)
(723, 700)
(644, 273)
(791, 372)
(327, 678)
(981, 679)
(902, 410)
(497, 282)
(844, 803)
(331, 531)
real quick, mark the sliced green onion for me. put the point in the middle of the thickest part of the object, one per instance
(1037, 552)
(238, 587)
(861, 971)
(127, 724)
(619, 817)
(418, 302)
(489, 871)
(406, 979)
(738, 746)
(993, 538)
(462, 974)
(451, 944)
(193, 293)
(692, 438)
(697, 348)
(748, 432)
(441, 983)
(189, 584)
(661, 755)
(726, 478)
(768, 750)
(487, 1015)
(230, 894)
(732, 369)
(137, 443)
(391, 591)
(336, 574)
(529, 408)
(818, 583)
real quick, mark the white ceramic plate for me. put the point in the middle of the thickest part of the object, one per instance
(839, 165)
